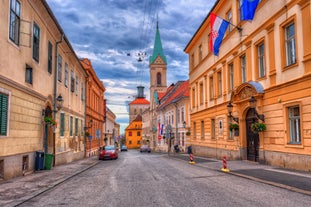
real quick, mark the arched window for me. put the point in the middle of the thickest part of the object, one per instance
(135, 111)
(159, 79)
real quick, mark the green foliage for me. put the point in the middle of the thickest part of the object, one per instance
(233, 126)
(188, 133)
(258, 127)
(49, 120)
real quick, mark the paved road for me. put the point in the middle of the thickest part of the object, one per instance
(137, 179)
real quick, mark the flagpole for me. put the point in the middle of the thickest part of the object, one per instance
(239, 28)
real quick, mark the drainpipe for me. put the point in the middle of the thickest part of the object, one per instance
(54, 95)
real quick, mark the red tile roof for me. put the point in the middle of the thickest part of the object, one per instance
(140, 101)
(174, 93)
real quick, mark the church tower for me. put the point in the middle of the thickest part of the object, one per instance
(157, 64)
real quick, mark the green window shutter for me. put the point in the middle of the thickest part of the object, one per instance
(3, 114)
(62, 124)
(71, 123)
(76, 126)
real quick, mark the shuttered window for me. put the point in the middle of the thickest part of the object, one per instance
(62, 124)
(3, 114)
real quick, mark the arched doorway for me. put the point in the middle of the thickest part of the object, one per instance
(252, 138)
(48, 131)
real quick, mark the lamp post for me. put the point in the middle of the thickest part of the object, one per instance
(252, 104)
(168, 135)
(230, 107)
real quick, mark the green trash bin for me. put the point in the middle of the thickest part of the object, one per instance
(48, 161)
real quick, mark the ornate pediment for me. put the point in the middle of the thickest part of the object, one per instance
(158, 60)
(246, 91)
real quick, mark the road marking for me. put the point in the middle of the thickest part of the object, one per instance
(291, 173)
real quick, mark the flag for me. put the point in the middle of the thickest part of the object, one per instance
(218, 29)
(159, 132)
(247, 9)
(162, 126)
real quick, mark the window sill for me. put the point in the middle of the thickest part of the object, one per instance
(294, 145)
(290, 66)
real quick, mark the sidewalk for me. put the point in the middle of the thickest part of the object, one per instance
(298, 181)
(18, 190)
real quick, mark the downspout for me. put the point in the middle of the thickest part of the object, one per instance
(54, 95)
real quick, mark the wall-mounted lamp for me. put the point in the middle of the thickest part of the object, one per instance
(252, 104)
(59, 102)
(230, 107)
(90, 124)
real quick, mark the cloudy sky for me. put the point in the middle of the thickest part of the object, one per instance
(112, 34)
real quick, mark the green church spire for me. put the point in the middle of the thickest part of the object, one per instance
(157, 48)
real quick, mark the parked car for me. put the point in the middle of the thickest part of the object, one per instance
(123, 148)
(108, 152)
(145, 148)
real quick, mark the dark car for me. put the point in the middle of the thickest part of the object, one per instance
(123, 148)
(145, 148)
(108, 152)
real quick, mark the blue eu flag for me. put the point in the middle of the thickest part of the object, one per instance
(248, 8)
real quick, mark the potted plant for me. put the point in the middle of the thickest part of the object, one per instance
(233, 126)
(188, 133)
(49, 121)
(87, 134)
(258, 127)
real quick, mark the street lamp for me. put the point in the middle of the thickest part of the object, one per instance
(59, 102)
(230, 107)
(252, 104)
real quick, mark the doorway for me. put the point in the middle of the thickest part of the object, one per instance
(251, 137)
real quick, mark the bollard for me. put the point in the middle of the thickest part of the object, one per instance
(191, 159)
(224, 165)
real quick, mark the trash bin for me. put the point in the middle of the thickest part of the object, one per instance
(39, 165)
(48, 161)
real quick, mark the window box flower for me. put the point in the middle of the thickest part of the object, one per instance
(258, 127)
(49, 121)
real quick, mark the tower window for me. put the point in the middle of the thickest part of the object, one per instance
(159, 79)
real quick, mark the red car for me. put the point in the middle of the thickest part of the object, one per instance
(108, 152)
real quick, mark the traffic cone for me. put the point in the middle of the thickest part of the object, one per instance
(224, 165)
(191, 159)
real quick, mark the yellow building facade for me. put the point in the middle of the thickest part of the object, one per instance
(261, 75)
(38, 71)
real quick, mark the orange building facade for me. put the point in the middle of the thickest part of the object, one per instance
(95, 110)
(133, 133)
(261, 75)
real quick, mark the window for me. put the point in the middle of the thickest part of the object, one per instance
(202, 129)
(159, 79)
(59, 68)
(130, 134)
(71, 126)
(66, 75)
(50, 57)
(4, 104)
(290, 44)
(231, 77)
(192, 61)
(229, 19)
(77, 85)
(82, 92)
(200, 52)
(211, 86)
(243, 68)
(62, 124)
(294, 124)
(213, 132)
(135, 111)
(182, 115)
(36, 42)
(261, 60)
(138, 134)
(201, 94)
(76, 126)
(14, 21)
(219, 77)
(28, 74)
(72, 82)
(193, 98)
